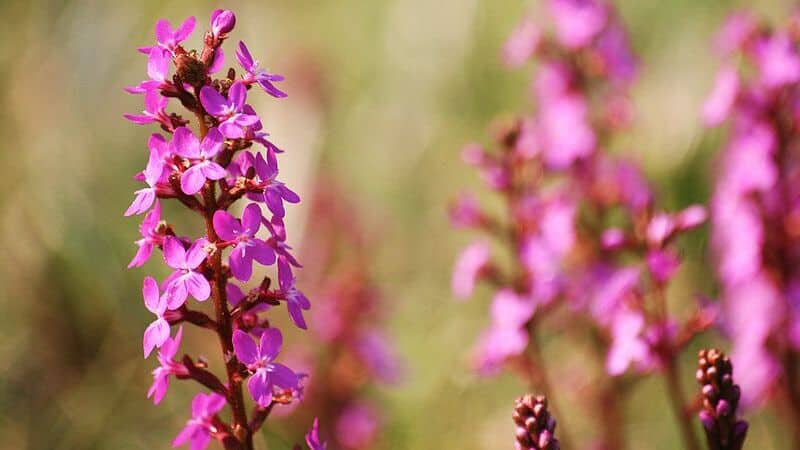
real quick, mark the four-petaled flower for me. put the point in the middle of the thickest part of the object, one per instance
(296, 301)
(157, 332)
(242, 235)
(200, 427)
(256, 74)
(167, 367)
(230, 111)
(259, 359)
(168, 39)
(275, 192)
(185, 279)
(200, 155)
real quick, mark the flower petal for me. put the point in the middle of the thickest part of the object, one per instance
(198, 286)
(192, 180)
(271, 343)
(214, 103)
(174, 253)
(244, 347)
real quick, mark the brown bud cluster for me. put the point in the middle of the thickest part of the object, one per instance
(535, 426)
(720, 401)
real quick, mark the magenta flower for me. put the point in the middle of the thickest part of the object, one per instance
(522, 43)
(185, 280)
(145, 197)
(470, 265)
(157, 69)
(168, 39)
(259, 360)
(312, 438)
(200, 427)
(777, 60)
(168, 367)
(257, 75)
(222, 22)
(242, 235)
(296, 301)
(357, 426)
(578, 21)
(154, 110)
(200, 156)
(275, 192)
(157, 332)
(150, 236)
(628, 346)
(230, 111)
(721, 100)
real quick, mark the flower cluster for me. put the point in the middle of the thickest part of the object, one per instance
(582, 226)
(755, 207)
(208, 168)
(720, 400)
(536, 428)
(354, 354)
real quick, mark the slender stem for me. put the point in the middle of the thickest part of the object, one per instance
(241, 427)
(224, 329)
(540, 382)
(791, 376)
(676, 398)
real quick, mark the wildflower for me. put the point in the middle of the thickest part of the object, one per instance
(185, 280)
(200, 156)
(257, 75)
(229, 111)
(296, 301)
(242, 235)
(469, 266)
(200, 428)
(259, 359)
(149, 229)
(312, 438)
(167, 367)
(157, 332)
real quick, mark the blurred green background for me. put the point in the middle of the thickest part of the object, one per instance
(382, 95)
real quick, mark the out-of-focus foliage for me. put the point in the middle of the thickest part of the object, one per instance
(382, 94)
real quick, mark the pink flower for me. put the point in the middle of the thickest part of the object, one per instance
(312, 438)
(185, 280)
(150, 236)
(259, 360)
(230, 111)
(257, 75)
(200, 427)
(168, 367)
(200, 156)
(522, 43)
(719, 104)
(469, 267)
(157, 332)
(357, 426)
(578, 21)
(168, 39)
(296, 301)
(242, 235)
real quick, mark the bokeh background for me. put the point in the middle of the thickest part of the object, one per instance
(382, 95)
